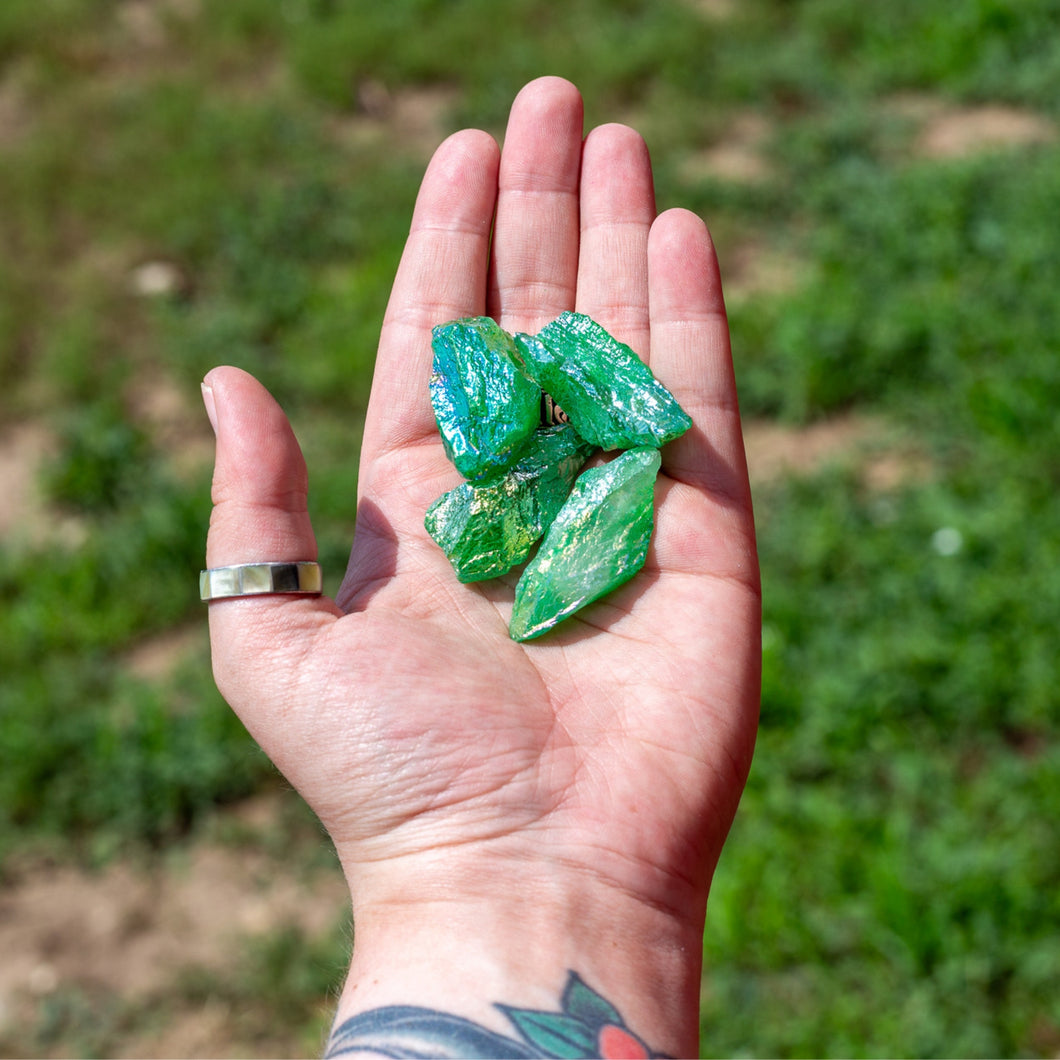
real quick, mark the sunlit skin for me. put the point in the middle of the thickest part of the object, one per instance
(507, 811)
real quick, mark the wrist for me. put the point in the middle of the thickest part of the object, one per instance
(470, 945)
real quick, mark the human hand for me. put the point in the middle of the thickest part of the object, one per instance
(510, 810)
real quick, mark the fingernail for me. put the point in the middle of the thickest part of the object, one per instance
(211, 407)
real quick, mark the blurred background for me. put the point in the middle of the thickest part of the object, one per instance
(185, 183)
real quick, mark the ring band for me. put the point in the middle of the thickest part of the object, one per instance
(259, 579)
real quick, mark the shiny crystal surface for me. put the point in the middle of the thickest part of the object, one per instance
(487, 528)
(486, 407)
(610, 395)
(598, 540)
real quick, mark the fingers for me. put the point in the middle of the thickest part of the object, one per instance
(259, 515)
(575, 227)
(442, 276)
(617, 210)
(691, 355)
(445, 267)
(448, 267)
(535, 246)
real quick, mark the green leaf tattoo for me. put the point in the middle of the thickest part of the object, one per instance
(586, 1004)
(587, 1025)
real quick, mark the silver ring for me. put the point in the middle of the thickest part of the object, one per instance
(259, 579)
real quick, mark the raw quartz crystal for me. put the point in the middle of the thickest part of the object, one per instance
(487, 528)
(486, 407)
(598, 540)
(488, 389)
(607, 391)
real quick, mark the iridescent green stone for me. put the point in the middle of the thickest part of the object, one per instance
(487, 528)
(485, 405)
(598, 540)
(609, 393)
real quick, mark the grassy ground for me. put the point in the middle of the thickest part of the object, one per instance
(184, 184)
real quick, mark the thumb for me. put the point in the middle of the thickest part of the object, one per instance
(260, 490)
(260, 485)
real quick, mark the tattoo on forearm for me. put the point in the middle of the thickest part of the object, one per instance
(587, 1025)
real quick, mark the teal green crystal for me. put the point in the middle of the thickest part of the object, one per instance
(485, 405)
(611, 396)
(487, 528)
(598, 540)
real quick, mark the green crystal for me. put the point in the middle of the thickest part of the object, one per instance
(487, 528)
(485, 405)
(609, 393)
(598, 540)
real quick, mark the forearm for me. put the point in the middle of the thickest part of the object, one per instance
(470, 967)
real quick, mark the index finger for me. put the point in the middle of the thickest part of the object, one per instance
(442, 276)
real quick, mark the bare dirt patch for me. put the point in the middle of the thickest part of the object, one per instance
(853, 440)
(173, 414)
(142, 23)
(173, 417)
(15, 115)
(157, 658)
(714, 10)
(144, 41)
(127, 932)
(756, 267)
(147, 24)
(25, 515)
(959, 132)
(22, 451)
(738, 155)
(416, 118)
(774, 450)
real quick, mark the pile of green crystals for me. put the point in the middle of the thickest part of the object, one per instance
(488, 389)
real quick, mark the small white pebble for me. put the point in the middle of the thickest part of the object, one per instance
(947, 541)
(153, 279)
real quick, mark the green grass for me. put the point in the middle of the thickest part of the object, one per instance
(890, 886)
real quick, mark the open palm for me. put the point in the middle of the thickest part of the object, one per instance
(616, 745)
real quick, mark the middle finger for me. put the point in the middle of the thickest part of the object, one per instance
(534, 259)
